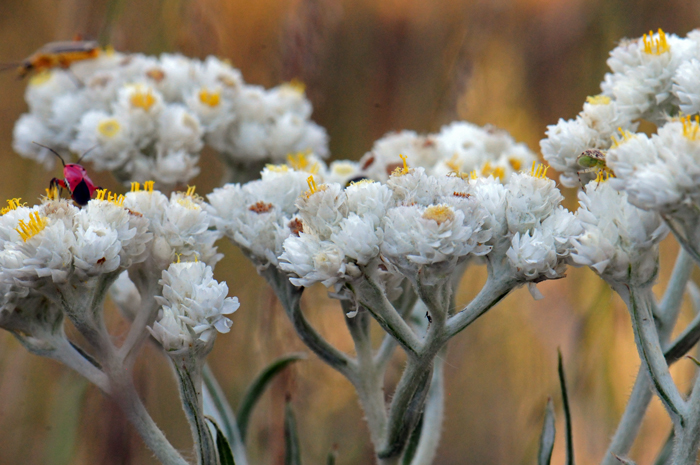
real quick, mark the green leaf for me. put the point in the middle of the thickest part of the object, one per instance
(567, 413)
(292, 453)
(257, 388)
(222, 446)
(544, 456)
(413, 443)
(332, 455)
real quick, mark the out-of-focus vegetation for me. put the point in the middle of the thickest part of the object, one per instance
(370, 66)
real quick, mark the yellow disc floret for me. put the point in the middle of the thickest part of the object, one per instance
(622, 138)
(313, 187)
(655, 46)
(295, 85)
(109, 127)
(209, 98)
(690, 127)
(148, 186)
(598, 99)
(34, 226)
(400, 171)
(142, 98)
(539, 171)
(439, 213)
(12, 204)
(300, 162)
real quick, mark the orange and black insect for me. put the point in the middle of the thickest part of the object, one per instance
(57, 55)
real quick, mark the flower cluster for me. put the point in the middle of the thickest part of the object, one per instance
(414, 225)
(145, 117)
(459, 147)
(193, 309)
(620, 241)
(55, 248)
(651, 78)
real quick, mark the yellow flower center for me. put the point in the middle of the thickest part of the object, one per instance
(135, 187)
(690, 127)
(36, 224)
(621, 139)
(295, 85)
(143, 99)
(343, 169)
(277, 168)
(300, 162)
(148, 186)
(12, 204)
(400, 171)
(598, 99)
(105, 195)
(211, 99)
(109, 127)
(515, 163)
(439, 213)
(313, 187)
(655, 46)
(41, 78)
(539, 171)
(453, 164)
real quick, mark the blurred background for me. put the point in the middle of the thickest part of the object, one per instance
(370, 66)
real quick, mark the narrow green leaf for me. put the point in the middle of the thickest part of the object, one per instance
(222, 446)
(332, 455)
(567, 413)
(292, 453)
(664, 457)
(544, 456)
(413, 443)
(257, 388)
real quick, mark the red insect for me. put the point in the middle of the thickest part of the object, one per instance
(76, 180)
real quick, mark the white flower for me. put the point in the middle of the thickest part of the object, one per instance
(180, 226)
(193, 309)
(660, 173)
(258, 216)
(432, 239)
(107, 138)
(323, 210)
(125, 295)
(620, 241)
(530, 200)
(108, 237)
(686, 86)
(312, 260)
(358, 238)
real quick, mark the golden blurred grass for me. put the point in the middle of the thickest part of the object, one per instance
(370, 67)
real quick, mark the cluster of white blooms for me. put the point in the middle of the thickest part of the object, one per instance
(259, 215)
(661, 172)
(55, 245)
(193, 309)
(459, 147)
(414, 225)
(651, 78)
(180, 225)
(620, 241)
(146, 117)
(540, 229)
